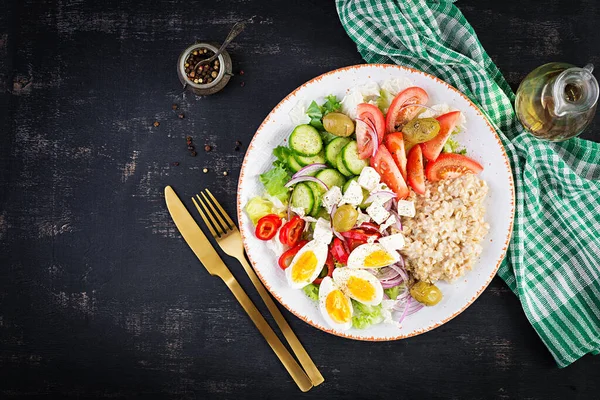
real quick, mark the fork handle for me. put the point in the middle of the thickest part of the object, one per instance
(307, 363)
(290, 364)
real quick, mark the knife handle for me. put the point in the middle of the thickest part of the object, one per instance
(305, 360)
(290, 364)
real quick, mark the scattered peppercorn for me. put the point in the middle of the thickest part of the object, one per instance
(156, 123)
(237, 148)
(238, 143)
(205, 170)
(241, 72)
(174, 106)
(243, 84)
(225, 173)
(181, 116)
(194, 154)
(201, 74)
(207, 148)
(191, 147)
(175, 163)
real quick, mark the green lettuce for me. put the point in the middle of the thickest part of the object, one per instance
(452, 146)
(392, 292)
(274, 181)
(365, 316)
(282, 154)
(312, 291)
(331, 104)
(384, 100)
(316, 112)
(258, 207)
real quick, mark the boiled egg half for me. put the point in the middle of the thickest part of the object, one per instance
(372, 255)
(335, 306)
(359, 285)
(306, 264)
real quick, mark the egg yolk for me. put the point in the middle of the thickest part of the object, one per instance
(378, 258)
(304, 267)
(361, 289)
(337, 307)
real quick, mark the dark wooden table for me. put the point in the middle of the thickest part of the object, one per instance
(100, 296)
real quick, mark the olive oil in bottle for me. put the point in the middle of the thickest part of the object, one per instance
(557, 101)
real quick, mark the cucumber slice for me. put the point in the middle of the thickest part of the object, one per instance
(351, 160)
(331, 177)
(318, 191)
(334, 148)
(293, 163)
(304, 161)
(340, 165)
(306, 141)
(303, 197)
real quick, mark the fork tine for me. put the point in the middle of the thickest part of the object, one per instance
(208, 209)
(224, 224)
(220, 208)
(212, 231)
(217, 227)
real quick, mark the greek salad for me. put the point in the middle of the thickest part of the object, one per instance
(338, 190)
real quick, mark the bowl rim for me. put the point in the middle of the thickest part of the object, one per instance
(239, 207)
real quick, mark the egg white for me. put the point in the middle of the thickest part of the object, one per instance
(341, 276)
(357, 257)
(320, 251)
(327, 286)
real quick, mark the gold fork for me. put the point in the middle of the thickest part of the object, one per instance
(228, 237)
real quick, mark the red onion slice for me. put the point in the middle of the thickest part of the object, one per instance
(299, 179)
(309, 169)
(381, 194)
(398, 222)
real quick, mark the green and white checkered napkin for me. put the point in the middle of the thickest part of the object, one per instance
(552, 263)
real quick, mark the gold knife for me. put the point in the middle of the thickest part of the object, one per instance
(207, 255)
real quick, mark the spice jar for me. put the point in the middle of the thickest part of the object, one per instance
(207, 78)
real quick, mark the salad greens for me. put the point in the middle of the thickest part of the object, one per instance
(365, 316)
(312, 291)
(257, 207)
(274, 181)
(316, 112)
(392, 292)
(452, 145)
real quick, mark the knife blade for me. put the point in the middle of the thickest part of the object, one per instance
(208, 256)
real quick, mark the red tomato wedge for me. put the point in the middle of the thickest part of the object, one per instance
(395, 144)
(399, 113)
(371, 118)
(451, 165)
(433, 148)
(390, 173)
(415, 171)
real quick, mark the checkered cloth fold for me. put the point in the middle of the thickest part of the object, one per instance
(552, 263)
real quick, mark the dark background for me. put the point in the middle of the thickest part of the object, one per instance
(100, 296)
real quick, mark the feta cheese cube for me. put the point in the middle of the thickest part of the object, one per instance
(378, 213)
(362, 218)
(388, 222)
(298, 210)
(392, 242)
(331, 198)
(353, 195)
(406, 208)
(369, 178)
(323, 232)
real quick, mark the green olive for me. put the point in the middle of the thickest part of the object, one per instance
(426, 293)
(338, 124)
(420, 130)
(344, 218)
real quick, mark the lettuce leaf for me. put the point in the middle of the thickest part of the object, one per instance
(312, 291)
(282, 154)
(331, 105)
(315, 113)
(257, 207)
(365, 316)
(274, 181)
(392, 292)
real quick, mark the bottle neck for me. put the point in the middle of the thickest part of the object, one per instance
(574, 90)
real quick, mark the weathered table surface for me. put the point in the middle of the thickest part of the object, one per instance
(100, 296)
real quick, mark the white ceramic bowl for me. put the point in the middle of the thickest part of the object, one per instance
(482, 144)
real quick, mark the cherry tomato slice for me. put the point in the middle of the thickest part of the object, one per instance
(450, 165)
(395, 144)
(433, 148)
(372, 114)
(399, 114)
(360, 235)
(267, 227)
(390, 173)
(329, 264)
(286, 258)
(415, 171)
(292, 231)
(339, 252)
